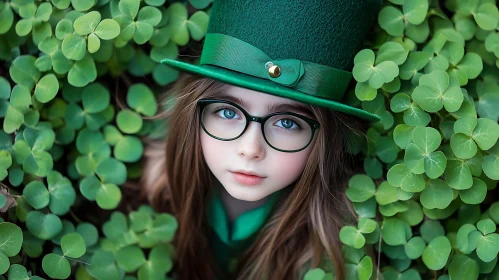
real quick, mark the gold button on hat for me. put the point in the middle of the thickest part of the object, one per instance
(274, 71)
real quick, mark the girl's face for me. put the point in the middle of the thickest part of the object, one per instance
(250, 152)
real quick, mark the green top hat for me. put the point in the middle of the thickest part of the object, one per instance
(298, 49)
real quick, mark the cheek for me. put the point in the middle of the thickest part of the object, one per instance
(212, 150)
(289, 166)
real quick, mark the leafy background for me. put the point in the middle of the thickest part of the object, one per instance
(79, 83)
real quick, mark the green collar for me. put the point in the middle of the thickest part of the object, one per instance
(244, 226)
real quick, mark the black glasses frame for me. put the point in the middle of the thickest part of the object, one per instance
(314, 125)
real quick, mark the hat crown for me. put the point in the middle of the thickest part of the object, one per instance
(327, 32)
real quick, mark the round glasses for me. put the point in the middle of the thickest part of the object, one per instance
(284, 131)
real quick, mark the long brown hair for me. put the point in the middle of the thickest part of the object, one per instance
(303, 229)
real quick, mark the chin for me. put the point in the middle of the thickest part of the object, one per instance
(245, 195)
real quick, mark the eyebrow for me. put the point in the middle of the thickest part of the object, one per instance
(276, 107)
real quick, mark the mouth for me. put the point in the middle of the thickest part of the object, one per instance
(249, 173)
(247, 179)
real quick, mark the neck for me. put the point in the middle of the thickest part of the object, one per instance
(235, 207)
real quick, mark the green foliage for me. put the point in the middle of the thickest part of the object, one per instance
(434, 67)
(72, 136)
(83, 81)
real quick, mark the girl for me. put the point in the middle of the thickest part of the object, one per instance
(255, 164)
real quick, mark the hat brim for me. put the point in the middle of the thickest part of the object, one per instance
(267, 86)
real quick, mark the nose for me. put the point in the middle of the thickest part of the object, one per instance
(252, 144)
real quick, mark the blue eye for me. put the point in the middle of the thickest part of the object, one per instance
(286, 123)
(226, 113)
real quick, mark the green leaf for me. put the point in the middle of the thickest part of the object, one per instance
(437, 194)
(111, 171)
(415, 11)
(89, 233)
(87, 23)
(17, 271)
(149, 15)
(352, 237)
(415, 116)
(128, 149)
(491, 166)
(394, 231)
(476, 194)
(130, 258)
(386, 193)
(4, 263)
(103, 266)
(463, 146)
(435, 164)
(93, 43)
(143, 33)
(108, 196)
(95, 98)
(129, 121)
(360, 188)
(365, 268)
(488, 247)
(414, 158)
(46, 88)
(6, 18)
(73, 245)
(24, 72)
(383, 73)
(391, 20)
(465, 125)
(43, 226)
(36, 194)
(458, 175)
(74, 46)
(62, 193)
(178, 23)
(414, 247)
(471, 64)
(56, 266)
(486, 133)
(83, 5)
(400, 176)
(486, 226)
(392, 51)
(198, 25)
(462, 267)
(436, 254)
(142, 99)
(487, 16)
(129, 8)
(63, 28)
(367, 225)
(11, 239)
(108, 29)
(426, 138)
(314, 274)
(83, 72)
(400, 102)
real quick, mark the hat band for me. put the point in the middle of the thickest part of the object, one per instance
(311, 78)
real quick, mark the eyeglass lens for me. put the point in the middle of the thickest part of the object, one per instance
(284, 132)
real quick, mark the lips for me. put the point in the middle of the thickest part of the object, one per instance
(250, 173)
(247, 179)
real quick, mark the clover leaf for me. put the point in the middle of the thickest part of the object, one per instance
(364, 69)
(436, 254)
(436, 91)
(135, 23)
(32, 16)
(471, 133)
(400, 176)
(360, 188)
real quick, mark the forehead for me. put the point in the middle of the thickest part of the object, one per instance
(261, 102)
